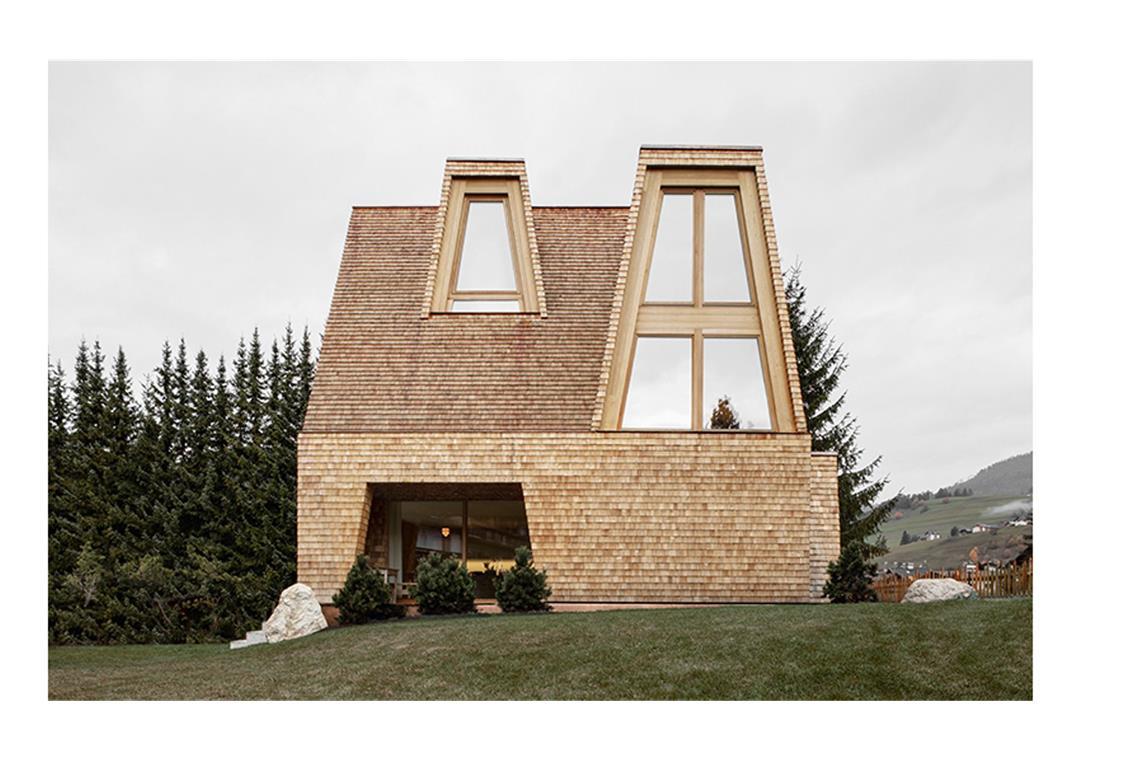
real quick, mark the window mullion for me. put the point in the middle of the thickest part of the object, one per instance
(697, 382)
(698, 247)
(698, 379)
(463, 535)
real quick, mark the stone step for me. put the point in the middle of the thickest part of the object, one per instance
(252, 638)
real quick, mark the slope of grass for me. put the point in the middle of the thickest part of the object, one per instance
(942, 516)
(954, 650)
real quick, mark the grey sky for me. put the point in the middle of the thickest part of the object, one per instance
(200, 200)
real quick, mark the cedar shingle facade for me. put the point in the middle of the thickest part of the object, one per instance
(411, 400)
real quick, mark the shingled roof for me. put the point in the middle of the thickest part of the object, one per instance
(392, 362)
(384, 367)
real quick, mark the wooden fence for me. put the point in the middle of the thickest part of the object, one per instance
(1012, 580)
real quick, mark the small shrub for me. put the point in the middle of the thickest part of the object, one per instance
(365, 596)
(850, 576)
(522, 588)
(443, 586)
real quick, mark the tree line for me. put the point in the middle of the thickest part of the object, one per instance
(172, 515)
(908, 501)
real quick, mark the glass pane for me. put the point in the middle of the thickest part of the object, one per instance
(732, 371)
(494, 530)
(660, 385)
(671, 266)
(725, 279)
(485, 259)
(429, 527)
(486, 306)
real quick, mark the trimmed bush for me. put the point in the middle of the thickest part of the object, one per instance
(365, 596)
(850, 576)
(522, 588)
(443, 586)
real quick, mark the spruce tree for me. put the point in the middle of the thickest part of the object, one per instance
(850, 577)
(724, 416)
(306, 370)
(821, 362)
(120, 432)
(62, 528)
(199, 412)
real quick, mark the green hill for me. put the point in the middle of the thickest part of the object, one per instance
(943, 514)
(1009, 476)
(956, 650)
(999, 491)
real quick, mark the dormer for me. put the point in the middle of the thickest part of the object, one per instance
(699, 311)
(484, 255)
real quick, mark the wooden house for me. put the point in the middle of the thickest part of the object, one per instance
(495, 373)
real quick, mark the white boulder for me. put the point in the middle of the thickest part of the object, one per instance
(298, 613)
(938, 590)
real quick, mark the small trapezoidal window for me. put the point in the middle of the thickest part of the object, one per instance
(485, 261)
(486, 279)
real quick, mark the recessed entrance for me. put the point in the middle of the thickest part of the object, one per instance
(480, 524)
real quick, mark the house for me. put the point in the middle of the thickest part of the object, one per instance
(931, 535)
(496, 373)
(983, 528)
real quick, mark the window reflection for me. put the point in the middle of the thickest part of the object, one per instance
(493, 530)
(659, 386)
(725, 277)
(671, 267)
(732, 369)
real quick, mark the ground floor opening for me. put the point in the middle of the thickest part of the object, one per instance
(479, 524)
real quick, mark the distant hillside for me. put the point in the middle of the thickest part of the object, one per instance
(993, 496)
(1009, 477)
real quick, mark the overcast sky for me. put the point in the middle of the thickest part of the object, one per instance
(201, 200)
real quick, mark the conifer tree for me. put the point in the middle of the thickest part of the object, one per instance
(255, 390)
(62, 533)
(120, 432)
(200, 411)
(724, 416)
(306, 370)
(821, 362)
(180, 406)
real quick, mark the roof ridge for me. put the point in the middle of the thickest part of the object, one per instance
(469, 159)
(702, 147)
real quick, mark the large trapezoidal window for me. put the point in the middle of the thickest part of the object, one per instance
(697, 342)
(484, 263)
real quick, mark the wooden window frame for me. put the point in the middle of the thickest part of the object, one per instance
(464, 192)
(698, 319)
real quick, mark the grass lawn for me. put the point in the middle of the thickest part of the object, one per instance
(953, 650)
